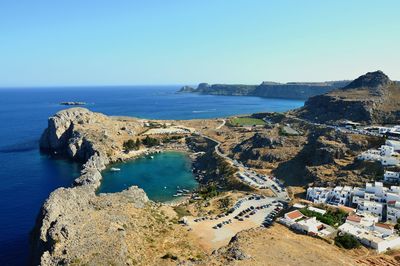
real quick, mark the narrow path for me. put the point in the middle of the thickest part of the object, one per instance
(221, 125)
(282, 195)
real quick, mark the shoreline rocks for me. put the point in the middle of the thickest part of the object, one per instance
(56, 223)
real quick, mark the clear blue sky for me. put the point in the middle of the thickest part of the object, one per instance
(103, 42)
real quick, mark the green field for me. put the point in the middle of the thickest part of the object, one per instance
(246, 121)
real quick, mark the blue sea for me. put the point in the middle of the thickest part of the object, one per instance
(27, 177)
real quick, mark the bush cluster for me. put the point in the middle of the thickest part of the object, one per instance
(331, 217)
(347, 241)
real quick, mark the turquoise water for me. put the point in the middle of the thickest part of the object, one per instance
(160, 177)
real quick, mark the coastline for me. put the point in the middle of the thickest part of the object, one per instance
(77, 145)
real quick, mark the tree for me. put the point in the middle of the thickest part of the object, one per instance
(138, 143)
(347, 241)
(130, 145)
(150, 142)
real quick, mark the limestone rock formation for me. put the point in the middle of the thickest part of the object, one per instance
(371, 98)
(70, 213)
(291, 90)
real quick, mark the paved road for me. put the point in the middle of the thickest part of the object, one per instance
(250, 177)
(338, 128)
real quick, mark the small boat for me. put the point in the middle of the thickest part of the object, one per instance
(178, 195)
(165, 187)
(151, 157)
(114, 169)
(179, 191)
(185, 190)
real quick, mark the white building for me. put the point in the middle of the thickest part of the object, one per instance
(386, 155)
(372, 199)
(391, 177)
(393, 211)
(335, 196)
(392, 194)
(371, 192)
(377, 236)
(393, 143)
(371, 207)
(317, 210)
(308, 226)
(293, 216)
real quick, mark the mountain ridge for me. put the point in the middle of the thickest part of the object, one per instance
(370, 98)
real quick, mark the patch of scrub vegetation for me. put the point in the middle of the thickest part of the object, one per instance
(347, 241)
(246, 121)
(131, 144)
(181, 211)
(225, 203)
(333, 217)
(209, 191)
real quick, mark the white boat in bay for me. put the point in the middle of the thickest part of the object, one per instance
(114, 169)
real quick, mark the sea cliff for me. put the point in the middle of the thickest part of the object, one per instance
(291, 90)
(65, 216)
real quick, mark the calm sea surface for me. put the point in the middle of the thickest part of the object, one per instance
(160, 176)
(27, 176)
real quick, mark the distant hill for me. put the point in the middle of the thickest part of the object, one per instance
(371, 98)
(268, 89)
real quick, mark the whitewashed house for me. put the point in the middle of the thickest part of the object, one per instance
(393, 211)
(335, 196)
(309, 225)
(391, 177)
(386, 155)
(318, 194)
(371, 207)
(293, 216)
(380, 237)
(393, 143)
(392, 194)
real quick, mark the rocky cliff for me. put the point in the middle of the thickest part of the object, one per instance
(371, 98)
(77, 227)
(292, 90)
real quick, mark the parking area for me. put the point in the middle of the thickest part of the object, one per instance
(263, 181)
(249, 212)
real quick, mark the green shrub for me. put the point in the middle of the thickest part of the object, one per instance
(347, 241)
(150, 142)
(332, 217)
(130, 145)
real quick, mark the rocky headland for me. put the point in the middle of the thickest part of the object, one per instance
(291, 90)
(76, 226)
(371, 98)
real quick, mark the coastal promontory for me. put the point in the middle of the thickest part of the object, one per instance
(290, 90)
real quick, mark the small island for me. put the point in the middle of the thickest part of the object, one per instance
(73, 103)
